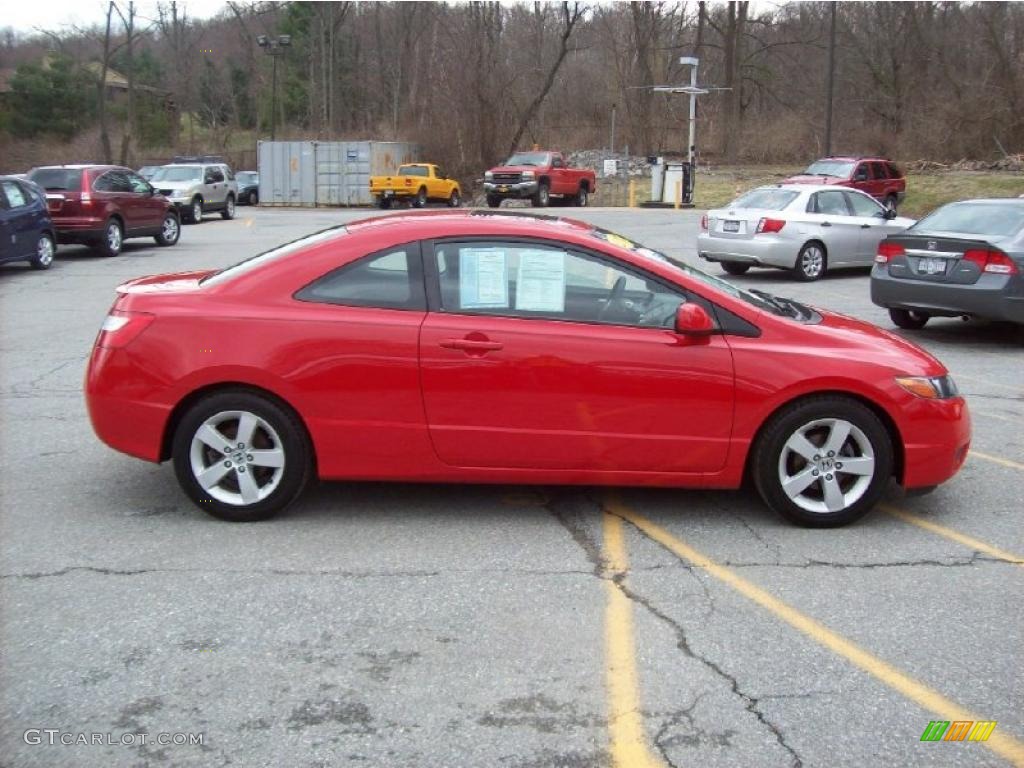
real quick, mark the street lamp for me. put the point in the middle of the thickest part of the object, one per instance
(274, 47)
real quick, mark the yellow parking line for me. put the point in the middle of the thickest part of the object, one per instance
(625, 725)
(960, 538)
(997, 460)
(1002, 744)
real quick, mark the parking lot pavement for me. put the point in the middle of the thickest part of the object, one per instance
(402, 625)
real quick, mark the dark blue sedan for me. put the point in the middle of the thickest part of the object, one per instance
(26, 232)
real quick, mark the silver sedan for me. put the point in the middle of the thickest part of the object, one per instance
(806, 228)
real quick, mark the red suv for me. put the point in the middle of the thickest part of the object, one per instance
(101, 205)
(874, 175)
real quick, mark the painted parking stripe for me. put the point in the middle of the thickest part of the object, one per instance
(996, 459)
(1002, 744)
(953, 535)
(628, 744)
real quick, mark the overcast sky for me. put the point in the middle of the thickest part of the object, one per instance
(27, 15)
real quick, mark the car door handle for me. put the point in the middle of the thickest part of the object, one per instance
(472, 345)
(865, 226)
(825, 224)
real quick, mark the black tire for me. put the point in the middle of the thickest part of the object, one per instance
(454, 199)
(908, 319)
(285, 428)
(45, 250)
(582, 198)
(113, 238)
(170, 230)
(891, 201)
(543, 196)
(811, 263)
(735, 267)
(254, 198)
(493, 201)
(195, 211)
(228, 211)
(771, 458)
(384, 203)
(420, 201)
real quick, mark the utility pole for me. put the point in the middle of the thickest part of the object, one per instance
(611, 147)
(830, 84)
(274, 47)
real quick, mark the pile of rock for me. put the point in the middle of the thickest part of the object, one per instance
(1008, 163)
(593, 159)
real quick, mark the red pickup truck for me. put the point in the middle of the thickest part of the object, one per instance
(538, 175)
(874, 175)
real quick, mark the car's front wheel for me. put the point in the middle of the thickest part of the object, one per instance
(228, 212)
(493, 201)
(823, 461)
(45, 249)
(241, 456)
(543, 196)
(195, 211)
(170, 230)
(908, 319)
(735, 267)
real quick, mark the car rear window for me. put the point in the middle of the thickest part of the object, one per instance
(254, 262)
(413, 170)
(58, 179)
(765, 199)
(990, 219)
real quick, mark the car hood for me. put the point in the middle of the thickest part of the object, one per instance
(174, 184)
(803, 178)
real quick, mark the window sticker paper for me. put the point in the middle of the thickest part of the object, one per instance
(540, 284)
(483, 278)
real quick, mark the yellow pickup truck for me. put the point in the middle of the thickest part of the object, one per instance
(416, 183)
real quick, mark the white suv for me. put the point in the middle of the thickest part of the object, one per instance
(198, 188)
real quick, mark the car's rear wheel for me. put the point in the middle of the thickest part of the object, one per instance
(240, 456)
(420, 201)
(254, 198)
(384, 203)
(909, 319)
(113, 238)
(582, 198)
(823, 461)
(493, 201)
(454, 200)
(811, 262)
(45, 249)
(170, 230)
(195, 211)
(228, 211)
(735, 267)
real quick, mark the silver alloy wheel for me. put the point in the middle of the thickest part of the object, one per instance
(114, 237)
(237, 458)
(170, 229)
(812, 261)
(44, 251)
(826, 465)
(197, 210)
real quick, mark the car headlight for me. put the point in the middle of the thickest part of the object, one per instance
(929, 387)
(488, 175)
(528, 174)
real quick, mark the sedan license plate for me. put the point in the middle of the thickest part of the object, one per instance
(389, 192)
(730, 226)
(929, 266)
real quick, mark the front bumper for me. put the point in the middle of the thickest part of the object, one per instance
(518, 189)
(994, 297)
(766, 250)
(936, 439)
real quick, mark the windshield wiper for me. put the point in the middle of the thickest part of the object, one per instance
(786, 306)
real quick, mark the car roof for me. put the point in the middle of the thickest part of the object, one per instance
(989, 201)
(556, 224)
(853, 158)
(77, 167)
(809, 188)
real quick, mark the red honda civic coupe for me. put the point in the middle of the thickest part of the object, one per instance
(488, 347)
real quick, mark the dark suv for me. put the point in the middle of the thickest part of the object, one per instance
(874, 175)
(102, 205)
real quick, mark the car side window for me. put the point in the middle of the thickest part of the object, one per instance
(522, 279)
(878, 171)
(832, 203)
(214, 175)
(863, 205)
(389, 279)
(14, 194)
(557, 162)
(228, 174)
(438, 173)
(104, 183)
(138, 184)
(861, 174)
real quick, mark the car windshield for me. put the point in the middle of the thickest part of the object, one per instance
(765, 198)
(762, 301)
(989, 219)
(170, 173)
(247, 178)
(64, 179)
(253, 262)
(413, 170)
(838, 168)
(528, 158)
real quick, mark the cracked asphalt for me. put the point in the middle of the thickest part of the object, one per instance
(404, 625)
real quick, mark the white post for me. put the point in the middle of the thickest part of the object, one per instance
(692, 62)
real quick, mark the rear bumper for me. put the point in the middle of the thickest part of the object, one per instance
(517, 190)
(78, 229)
(764, 250)
(994, 297)
(937, 443)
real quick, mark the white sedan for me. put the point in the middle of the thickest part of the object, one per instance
(806, 228)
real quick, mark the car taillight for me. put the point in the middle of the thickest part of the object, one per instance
(992, 261)
(408, 182)
(765, 226)
(887, 251)
(704, 223)
(121, 328)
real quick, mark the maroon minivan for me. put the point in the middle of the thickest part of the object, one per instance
(102, 205)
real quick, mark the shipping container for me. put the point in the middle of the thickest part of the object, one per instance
(326, 173)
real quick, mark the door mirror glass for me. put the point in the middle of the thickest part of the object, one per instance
(693, 320)
(890, 213)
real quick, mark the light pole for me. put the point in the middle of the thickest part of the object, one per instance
(274, 47)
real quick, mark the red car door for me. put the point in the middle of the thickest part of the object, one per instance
(551, 359)
(150, 207)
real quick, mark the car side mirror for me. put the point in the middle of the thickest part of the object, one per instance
(890, 214)
(693, 320)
